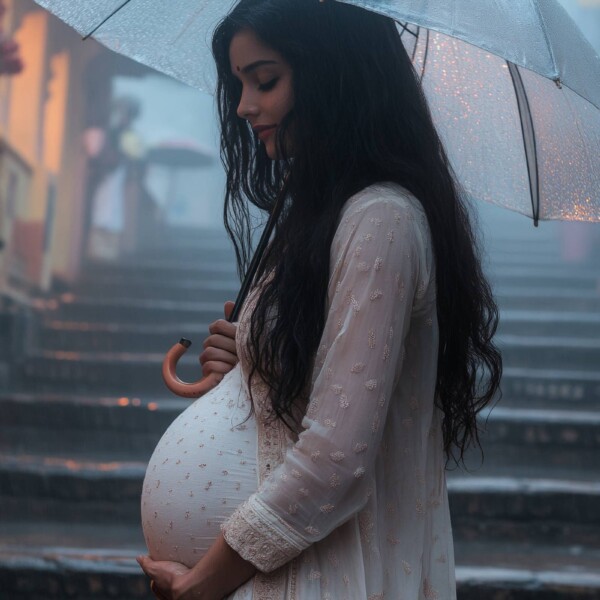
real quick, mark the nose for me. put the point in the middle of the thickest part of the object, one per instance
(247, 106)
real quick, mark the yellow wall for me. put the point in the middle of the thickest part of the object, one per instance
(70, 183)
(6, 25)
(27, 88)
(55, 112)
(40, 119)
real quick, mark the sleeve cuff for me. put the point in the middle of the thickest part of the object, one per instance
(261, 537)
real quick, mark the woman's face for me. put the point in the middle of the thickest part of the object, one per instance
(267, 94)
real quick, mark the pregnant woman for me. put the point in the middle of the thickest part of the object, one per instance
(316, 468)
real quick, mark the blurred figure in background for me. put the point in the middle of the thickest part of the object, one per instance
(116, 171)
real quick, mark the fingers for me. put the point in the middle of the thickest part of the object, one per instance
(216, 368)
(214, 360)
(220, 353)
(157, 593)
(220, 342)
(224, 328)
(217, 355)
(162, 575)
(147, 565)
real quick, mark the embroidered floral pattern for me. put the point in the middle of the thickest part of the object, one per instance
(244, 533)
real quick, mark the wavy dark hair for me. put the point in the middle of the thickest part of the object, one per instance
(359, 117)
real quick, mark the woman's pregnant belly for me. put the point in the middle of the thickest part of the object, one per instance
(203, 467)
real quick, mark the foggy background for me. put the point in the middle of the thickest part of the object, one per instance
(112, 247)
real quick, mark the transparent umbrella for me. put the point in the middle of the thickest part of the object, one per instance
(513, 85)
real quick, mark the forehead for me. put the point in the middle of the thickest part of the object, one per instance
(247, 48)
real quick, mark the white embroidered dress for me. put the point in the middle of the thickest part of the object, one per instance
(356, 507)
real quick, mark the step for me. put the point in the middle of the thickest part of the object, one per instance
(517, 508)
(171, 253)
(506, 277)
(45, 560)
(561, 272)
(69, 489)
(198, 268)
(522, 258)
(184, 249)
(81, 336)
(87, 562)
(543, 442)
(549, 351)
(550, 298)
(122, 373)
(550, 388)
(521, 570)
(550, 323)
(204, 289)
(87, 427)
(169, 235)
(130, 310)
(168, 278)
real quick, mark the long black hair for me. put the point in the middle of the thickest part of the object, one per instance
(359, 117)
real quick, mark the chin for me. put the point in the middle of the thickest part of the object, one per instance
(271, 153)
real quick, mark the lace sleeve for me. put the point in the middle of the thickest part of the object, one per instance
(325, 478)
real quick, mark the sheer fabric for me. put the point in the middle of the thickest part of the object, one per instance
(356, 506)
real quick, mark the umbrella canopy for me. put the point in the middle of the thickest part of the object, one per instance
(514, 138)
(513, 85)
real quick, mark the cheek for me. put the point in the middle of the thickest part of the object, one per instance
(281, 108)
(283, 104)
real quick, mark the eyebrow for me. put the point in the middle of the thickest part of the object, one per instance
(253, 66)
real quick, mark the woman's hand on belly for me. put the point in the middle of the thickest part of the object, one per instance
(164, 576)
(219, 354)
(219, 572)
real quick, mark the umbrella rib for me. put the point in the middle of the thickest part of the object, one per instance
(414, 52)
(112, 14)
(529, 142)
(405, 28)
(425, 54)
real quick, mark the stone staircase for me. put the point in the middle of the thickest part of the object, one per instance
(86, 406)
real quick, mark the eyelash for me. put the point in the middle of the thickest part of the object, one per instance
(265, 87)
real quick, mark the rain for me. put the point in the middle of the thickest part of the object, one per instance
(112, 248)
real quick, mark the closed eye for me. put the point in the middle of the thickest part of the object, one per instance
(265, 87)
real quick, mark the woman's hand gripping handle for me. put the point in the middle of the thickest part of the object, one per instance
(218, 358)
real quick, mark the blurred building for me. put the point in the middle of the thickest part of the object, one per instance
(55, 115)
(46, 112)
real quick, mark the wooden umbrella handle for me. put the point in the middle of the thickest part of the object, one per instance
(181, 388)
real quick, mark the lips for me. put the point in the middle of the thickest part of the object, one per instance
(264, 131)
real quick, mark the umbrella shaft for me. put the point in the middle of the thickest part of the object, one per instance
(258, 255)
